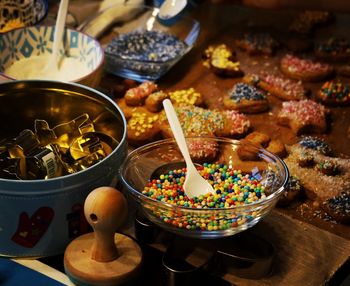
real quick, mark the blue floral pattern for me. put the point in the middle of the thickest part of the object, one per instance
(38, 40)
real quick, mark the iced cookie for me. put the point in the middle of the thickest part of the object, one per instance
(222, 61)
(142, 128)
(317, 144)
(137, 95)
(246, 98)
(338, 207)
(186, 96)
(307, 21)
(304, 69)
(197, 121)
(333, 49)
(334, 93)
(304, 116)
(280, 87)
(154, 102)
(260, 140)
(327, 177)
(257, 43)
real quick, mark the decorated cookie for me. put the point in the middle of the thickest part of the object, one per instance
(142, 128)
(307, 21)
(334, 93)
(304, 69)
(137, 95)
(333, 49)
(154, 102)
(338, 207)
(304, 116)
(186, 96)
(260, 140)
(246, 98)
(343, 69)
(280, 87)
(202, 150)
(197, 121)
(317, 144)
(292, 192)
(319, 185)
(258, 43)
(222, 61)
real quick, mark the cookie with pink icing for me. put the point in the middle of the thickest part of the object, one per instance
(304, 116)
(278, 86)
(305, 69)
(197, 121)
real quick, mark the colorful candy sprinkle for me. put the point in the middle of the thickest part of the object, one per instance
(232, 188)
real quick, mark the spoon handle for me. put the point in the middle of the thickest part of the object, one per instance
(59, 29)
(177, 131)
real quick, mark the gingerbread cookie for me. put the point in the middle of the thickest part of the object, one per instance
(142, 128)
(222, 61)
(257, 44)
(343, 70)
(307, 21)
(262, 140)
(202, 150)
(319, 184)
(137, 95)
(280, 87)
(304, 116)
(317, 144)
(293, 191)
(304, 69)
(338, 207)
(334, 93)
(197, 121)
(246, 98)
(154, 102)
(333, 49)
(186, 96)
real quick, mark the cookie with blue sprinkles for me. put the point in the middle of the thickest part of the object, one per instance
(315, 143)
(246, 98)
(333, 49)
(257, 44)
(338, 207)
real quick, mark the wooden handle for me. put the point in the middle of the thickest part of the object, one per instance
(105, 209)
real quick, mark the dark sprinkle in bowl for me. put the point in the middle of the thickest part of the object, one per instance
(145, 48)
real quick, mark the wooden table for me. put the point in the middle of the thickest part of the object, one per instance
(310, 250)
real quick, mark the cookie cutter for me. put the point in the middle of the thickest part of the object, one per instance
(246, 255)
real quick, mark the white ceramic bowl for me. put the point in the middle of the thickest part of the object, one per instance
(25, 44)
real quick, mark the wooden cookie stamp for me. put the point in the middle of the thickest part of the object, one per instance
(103, 257)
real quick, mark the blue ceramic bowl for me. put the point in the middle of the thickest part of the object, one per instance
(16, 14)
(36, 41)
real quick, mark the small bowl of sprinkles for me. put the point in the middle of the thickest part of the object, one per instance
(146, 48)
(245, 191)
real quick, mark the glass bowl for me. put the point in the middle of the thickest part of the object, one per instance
(170, 42)
(267, 170)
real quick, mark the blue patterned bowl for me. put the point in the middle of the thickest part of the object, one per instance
(15, 14)
(36, 41)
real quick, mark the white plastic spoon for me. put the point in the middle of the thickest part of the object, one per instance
(194, 185)
(58, 35)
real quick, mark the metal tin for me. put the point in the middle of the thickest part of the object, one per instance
(40, 217)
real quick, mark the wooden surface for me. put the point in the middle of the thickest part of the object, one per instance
(310, 249)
